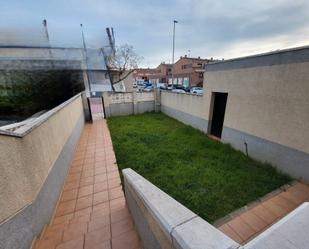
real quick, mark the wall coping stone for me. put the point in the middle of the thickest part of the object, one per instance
(183, 228)
(36, 122)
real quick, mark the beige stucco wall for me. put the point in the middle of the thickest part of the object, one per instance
(188, 103)
(26, 161)
(270, 102)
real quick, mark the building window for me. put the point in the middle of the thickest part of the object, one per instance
(200, 75)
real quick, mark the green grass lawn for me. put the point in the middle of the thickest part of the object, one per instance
(210, 178)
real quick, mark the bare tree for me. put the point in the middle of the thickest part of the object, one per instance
(122, 63)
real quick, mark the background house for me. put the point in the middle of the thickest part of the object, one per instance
(189, 71)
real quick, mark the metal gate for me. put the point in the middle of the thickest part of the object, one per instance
(96, 108)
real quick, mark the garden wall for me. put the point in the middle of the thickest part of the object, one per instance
(34, 161)
(162, 222)
(267, 107)
(187, 108)
(118, 104)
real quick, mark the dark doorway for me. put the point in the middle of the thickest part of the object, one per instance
(219, 104)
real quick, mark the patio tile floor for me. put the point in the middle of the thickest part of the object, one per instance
(250, 223)
(92, 211)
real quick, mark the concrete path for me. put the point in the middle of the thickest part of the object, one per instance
(92, 212)
(249, 223)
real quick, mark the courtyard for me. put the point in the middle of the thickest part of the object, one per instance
(210, 178)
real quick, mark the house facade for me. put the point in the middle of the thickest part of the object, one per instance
(188, 71)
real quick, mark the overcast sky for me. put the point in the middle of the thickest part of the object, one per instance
(208, 28)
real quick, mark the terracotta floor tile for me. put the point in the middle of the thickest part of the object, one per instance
(84, 191)
(46, 244)
(88, 166)
(56, 227)
(112, 168)
(84, 202)
(241, 228)
(98, 222)
(114, 183)
(256, 223)
(115, 193)
(265, 214)
(101, 170)
(97, 237)
(86, 181)
(83, 212)
(71, 185)
(99, 213)
(119, 215)
(87, 173)
(117, 204)
(89, 160)
(101, 206)
(299, 192)
(288, 205)
(230, 233)
(78, 162)
(73, 177)
(100, 197)
(66, 207)
(76, 243)
(121, 227)
(127, 240)
(55, 235)
(99, 187)
(69, 195)
(112, 175)
(80, 219)
(76, 230)
(100, 164)
(92, 202)
(279, 211)
(293, 198)
(100, 178)
(63, 219)
(103, 245)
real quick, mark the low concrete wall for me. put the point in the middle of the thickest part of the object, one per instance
(120, 104)
(187, 108)
(34, 162)
(162, 222)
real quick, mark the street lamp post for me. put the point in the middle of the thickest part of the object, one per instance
(174, 23)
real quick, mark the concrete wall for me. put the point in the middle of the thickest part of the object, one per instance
(267, 107)
(34, 161)
(118, 104)
(187, 108)
(162, 222)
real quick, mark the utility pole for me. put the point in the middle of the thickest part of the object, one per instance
(48, 45)
(86, 59)
(174, 23)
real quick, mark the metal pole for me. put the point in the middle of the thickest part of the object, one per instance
(86, 59)
(173, 53)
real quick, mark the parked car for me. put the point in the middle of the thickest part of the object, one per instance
(170, 87)
(196, 90)
(148, 89)
(178, 91)
(161, 86)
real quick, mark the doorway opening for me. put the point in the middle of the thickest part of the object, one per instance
(96, 108)
(218, 111)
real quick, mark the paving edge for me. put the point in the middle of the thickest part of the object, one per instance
(253, 204)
